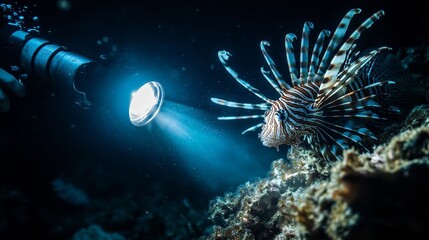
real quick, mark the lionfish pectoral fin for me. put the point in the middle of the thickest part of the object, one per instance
(272, 65)
(253, 128)
(223, 58)
(253, 106)
(240, 117)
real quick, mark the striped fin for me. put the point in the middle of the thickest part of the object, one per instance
(374, 85)
(253, 128)
(328, 89)
(315, 57)
(347, 136)
(290, 56)
(336, 39)
(344, 136)
(223, 57)
(304, 51)
(324, 148)
(351, 56)
(260, 106)
(240, 117)
(339, 58)
(362, 114)
(364, 132)
(354, 108)
(271, 81)
(361, 101)
(272, 65)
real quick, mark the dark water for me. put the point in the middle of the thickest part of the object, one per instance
(64, 168)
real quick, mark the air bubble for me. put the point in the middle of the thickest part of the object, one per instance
(14, 68)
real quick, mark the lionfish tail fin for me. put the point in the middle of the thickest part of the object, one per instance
(387, 67)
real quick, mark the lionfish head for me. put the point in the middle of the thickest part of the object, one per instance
(276, 131)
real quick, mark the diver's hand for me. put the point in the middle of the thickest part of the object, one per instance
(7, 81)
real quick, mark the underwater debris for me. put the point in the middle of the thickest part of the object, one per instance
(415, 59)
(21, 16)
(95, 232)
(64, 5)
(69, 193)
(366, 196)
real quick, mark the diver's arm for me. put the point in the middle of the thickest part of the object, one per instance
(9, 82)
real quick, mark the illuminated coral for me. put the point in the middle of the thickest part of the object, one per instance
(366, 196)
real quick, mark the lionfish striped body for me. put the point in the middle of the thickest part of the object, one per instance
(326, 103)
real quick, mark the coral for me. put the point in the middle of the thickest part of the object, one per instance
(262, 209)
(365, 196)
(372, 196)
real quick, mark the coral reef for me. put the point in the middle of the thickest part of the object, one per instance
(366, 196)
(373, 196)
(260, 208)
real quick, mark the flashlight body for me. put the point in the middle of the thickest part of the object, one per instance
(44, 59)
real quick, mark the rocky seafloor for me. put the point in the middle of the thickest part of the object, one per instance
(378, 195)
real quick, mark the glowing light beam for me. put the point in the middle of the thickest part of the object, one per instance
(209, 153)
(145, 103)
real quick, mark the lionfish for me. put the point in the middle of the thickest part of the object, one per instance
(328, 102)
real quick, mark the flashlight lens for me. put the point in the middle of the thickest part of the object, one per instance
(145, 103)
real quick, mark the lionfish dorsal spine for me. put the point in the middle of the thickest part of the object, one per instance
(336, 39)
(272, 65)
(315, 57)
(304, 51)
(290, 57)
(344, 78)
(340, 56)
(330, 81)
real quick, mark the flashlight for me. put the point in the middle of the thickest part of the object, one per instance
(146, 103)
(49, 61)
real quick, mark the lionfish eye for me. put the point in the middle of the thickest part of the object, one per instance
(281, 115)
